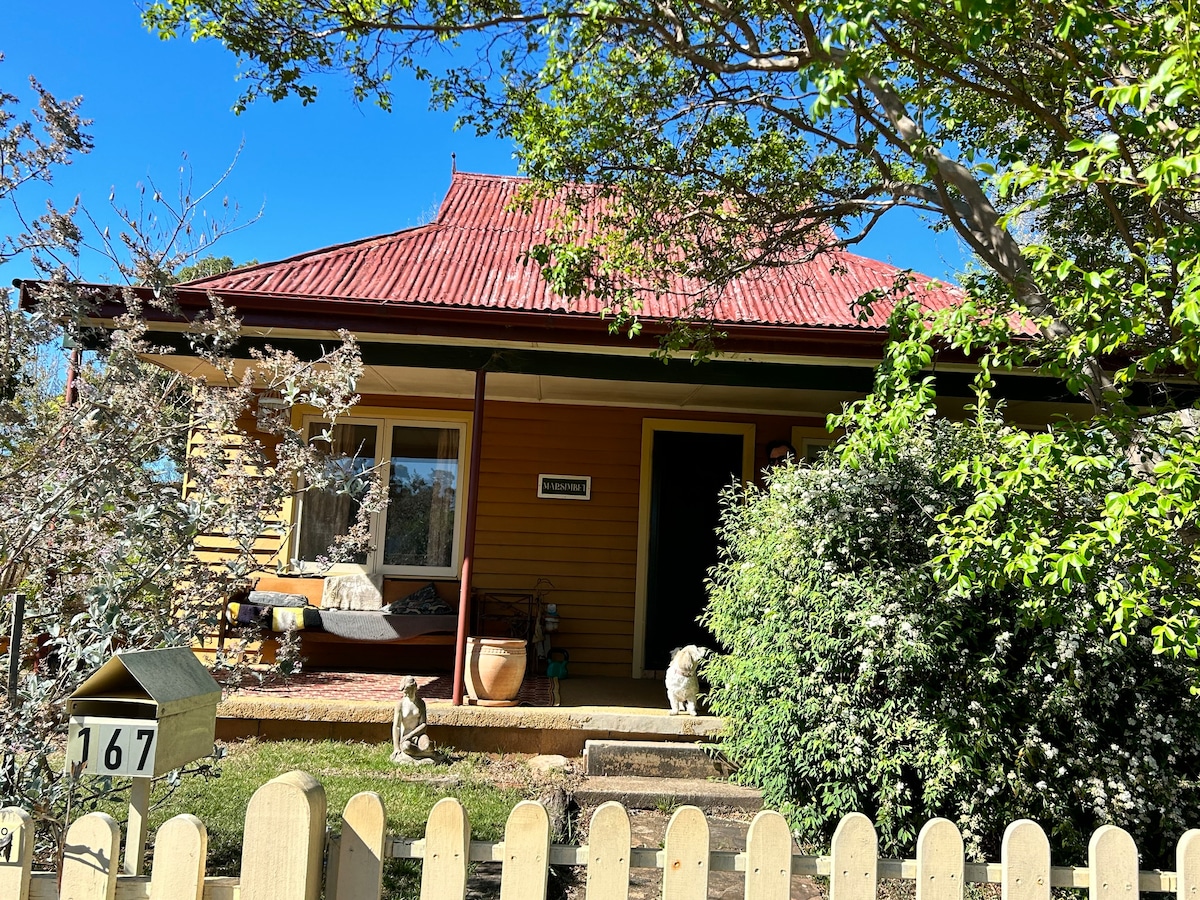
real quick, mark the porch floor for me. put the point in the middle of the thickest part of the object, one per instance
(357, 709)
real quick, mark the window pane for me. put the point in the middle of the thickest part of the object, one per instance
(327, 513)
(421, 497)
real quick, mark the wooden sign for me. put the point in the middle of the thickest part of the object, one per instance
(565, 487)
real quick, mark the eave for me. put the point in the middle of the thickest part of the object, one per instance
(299, 312)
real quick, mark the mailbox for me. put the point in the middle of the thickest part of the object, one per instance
(143, 713)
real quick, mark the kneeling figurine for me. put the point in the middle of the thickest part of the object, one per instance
(410, 743)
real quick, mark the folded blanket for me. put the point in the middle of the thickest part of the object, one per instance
(276, 598)
(368, 626)
(280, 618)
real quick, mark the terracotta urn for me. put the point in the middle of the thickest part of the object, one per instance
(495, 668)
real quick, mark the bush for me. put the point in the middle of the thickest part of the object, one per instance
(853, 680)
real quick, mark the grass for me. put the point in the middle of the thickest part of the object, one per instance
(487, 786)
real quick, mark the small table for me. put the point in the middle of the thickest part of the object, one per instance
(511, 614)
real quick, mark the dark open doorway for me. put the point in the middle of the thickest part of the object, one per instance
(688, 471)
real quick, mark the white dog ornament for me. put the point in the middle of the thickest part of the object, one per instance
(683, 687)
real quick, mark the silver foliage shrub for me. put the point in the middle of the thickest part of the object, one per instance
(113, 499)
(853, 680)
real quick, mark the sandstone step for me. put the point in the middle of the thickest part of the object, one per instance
(654, 759)
(664, 793)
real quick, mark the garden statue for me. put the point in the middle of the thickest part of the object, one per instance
(410, 743)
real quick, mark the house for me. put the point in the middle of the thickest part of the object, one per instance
(533, 453)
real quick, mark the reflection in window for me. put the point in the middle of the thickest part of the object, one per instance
(326, 514)
(421, 493)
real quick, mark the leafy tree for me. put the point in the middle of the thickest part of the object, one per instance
(113, 494)
(209, 265)
(1059, 140)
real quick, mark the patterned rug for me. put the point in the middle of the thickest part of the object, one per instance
(536, 690)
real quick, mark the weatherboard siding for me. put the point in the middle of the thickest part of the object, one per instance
(215, 548)
(586, 548)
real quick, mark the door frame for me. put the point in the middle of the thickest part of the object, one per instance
(649, 427)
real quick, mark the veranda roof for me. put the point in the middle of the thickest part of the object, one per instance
(473, 257)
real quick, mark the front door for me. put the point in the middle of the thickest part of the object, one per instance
(688, 471)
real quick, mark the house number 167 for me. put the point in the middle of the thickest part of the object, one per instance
(112, 746)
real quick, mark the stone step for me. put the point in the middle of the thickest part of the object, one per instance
(666, 793)
(654, 759)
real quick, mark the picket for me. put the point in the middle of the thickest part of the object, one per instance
(1025, 862)
(1113, 861)
(447, 852)
(1187, 866)
(359, 874)
(89, 869)
(608, 853)
(16, 860)
(939, 861)
(685, 867)
(284, 845)
(854, 859)
(526, 868)
(180, 851)
(284, 840)
(768, 858)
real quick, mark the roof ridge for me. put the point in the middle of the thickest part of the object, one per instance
(490, 176)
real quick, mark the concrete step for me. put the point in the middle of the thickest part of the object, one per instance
(516, 729)
(654, 759)
(665, 793)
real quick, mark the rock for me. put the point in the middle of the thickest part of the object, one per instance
(551, 762)
(557, 804)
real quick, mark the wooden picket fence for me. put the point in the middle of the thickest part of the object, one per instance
(285, 848)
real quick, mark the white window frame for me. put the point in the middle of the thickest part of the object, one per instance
(807, 439)
(383, 432)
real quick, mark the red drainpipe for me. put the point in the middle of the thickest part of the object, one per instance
(464, 592)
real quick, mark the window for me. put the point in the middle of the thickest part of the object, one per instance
(815, 448)
(422, 494)
(419, 531)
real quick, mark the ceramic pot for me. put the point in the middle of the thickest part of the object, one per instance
(495, 668)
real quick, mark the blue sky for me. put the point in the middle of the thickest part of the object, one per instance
(323, 174)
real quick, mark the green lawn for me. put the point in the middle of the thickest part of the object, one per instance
(487, 786)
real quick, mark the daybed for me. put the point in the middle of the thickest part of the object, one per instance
(415, 613)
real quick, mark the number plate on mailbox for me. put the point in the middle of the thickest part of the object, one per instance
(109, 746)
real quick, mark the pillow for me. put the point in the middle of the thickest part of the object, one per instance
(352, 592)
(424, 601)
(277, 598)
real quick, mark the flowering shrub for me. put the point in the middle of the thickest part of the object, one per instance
(854, 680)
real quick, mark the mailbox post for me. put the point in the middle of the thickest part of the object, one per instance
(142, 714)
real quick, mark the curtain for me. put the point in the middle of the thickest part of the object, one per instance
(327, 513)
(439, 546)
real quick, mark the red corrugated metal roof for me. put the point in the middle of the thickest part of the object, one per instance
(472, 256)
